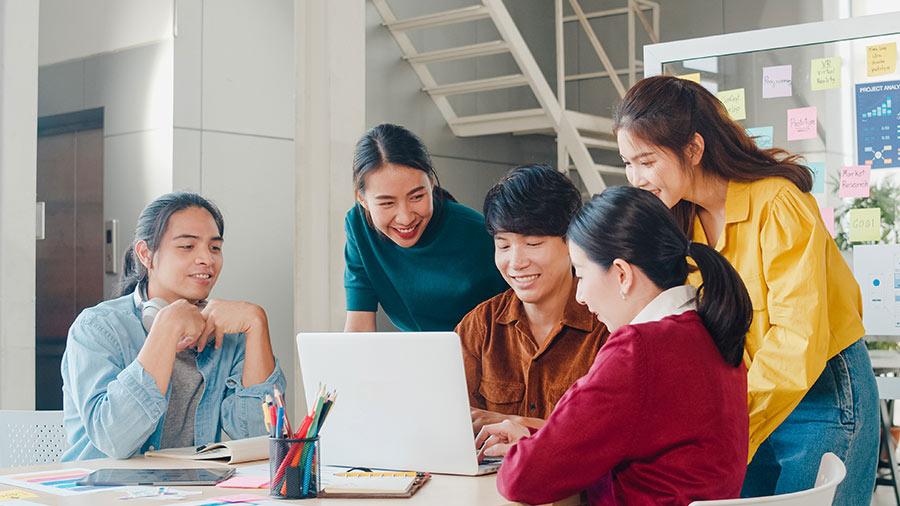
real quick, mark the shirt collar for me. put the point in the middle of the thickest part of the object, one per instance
(737, 202)
(574, 315)
(673, 301)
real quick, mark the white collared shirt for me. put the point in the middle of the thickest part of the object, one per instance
(673, 301)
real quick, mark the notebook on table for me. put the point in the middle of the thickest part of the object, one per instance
(403, 402)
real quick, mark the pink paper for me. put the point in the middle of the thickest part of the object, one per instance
(802, 123)
(855, 181)
(245, 482)
(828, 218)
(240, 498)
(776, 81)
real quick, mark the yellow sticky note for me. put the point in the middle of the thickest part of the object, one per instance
(881, 59)
(825, 73)
(734, 103)
(865, 224)
(691, 77)
(9, 495)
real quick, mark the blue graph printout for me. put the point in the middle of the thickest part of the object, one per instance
(878, 123)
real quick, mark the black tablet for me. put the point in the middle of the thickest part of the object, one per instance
(157, 476)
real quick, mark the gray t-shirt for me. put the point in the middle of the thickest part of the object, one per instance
(187, 388)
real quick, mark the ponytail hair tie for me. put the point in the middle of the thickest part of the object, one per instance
(687, 250)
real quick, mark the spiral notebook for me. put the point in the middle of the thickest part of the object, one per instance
(371, 484)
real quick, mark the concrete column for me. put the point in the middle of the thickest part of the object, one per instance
(18, 191)
(329, 40)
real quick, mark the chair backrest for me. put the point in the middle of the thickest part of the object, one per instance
(831, 474)
(31, 437)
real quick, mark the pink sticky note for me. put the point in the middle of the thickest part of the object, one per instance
(240, 498)
(245, 482)
(828, 218)
(776, 81)
(855, 181)
(802, 123)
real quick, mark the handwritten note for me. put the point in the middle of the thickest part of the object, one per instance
(776, 81)
(734, 103)
(828, 218)
(855, 181)
(825, 73)
(881, 59)
(762, 136)
(9, 495)
(865, 224)
(691, 77)
(802, 123)
(818, 170)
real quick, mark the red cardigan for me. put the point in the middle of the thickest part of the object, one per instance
(659, 419)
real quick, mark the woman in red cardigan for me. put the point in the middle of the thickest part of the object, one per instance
(661, 416)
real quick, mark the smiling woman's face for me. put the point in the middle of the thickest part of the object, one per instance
(399, 200)
(653, 168)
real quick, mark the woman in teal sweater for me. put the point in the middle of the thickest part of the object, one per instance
(411, 247)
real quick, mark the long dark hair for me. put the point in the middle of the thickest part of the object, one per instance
(634, 225)
(531, 200)
(667, 111)
(387, 143)
(151, 227)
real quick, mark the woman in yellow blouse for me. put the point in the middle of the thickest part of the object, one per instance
(811, 387)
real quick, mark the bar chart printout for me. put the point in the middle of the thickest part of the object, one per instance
(878, 124)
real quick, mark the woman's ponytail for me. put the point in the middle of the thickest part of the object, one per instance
(723, 303)
(634, 225)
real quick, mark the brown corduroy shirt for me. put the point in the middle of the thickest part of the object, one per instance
(508, 373)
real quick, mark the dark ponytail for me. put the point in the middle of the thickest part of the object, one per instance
(634, 225)
(151, 227)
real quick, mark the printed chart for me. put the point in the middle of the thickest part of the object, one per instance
(878, 124)
(59, 482)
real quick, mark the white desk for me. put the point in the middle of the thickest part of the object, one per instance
(440, 490)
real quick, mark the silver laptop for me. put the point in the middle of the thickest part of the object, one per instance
(402, 401)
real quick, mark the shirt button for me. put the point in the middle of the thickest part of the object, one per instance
(151, 448)
(532, 406)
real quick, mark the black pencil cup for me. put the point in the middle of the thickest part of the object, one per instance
(294, 468)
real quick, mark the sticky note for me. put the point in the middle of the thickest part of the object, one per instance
(881, 59)
(865, 224)
(691, 77)
(239, 498)
(763, 136)
(734, 103)
(802, 123)
(776, 81)
(828, 218)
(9, 495)
(245, 482)
(855, 181)
(818, 171)
(825, 73)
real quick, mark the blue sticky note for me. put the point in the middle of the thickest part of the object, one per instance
(818, 169)
(763, 136)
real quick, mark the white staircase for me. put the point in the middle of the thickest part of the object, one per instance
(576, 132)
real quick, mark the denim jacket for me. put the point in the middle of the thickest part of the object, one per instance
(112, 406)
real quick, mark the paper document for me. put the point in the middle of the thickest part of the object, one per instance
(230, 452)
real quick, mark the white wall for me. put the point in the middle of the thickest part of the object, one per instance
(18, 186)
(234, 143)
(76, 29)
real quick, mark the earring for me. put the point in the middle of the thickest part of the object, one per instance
(622, 294)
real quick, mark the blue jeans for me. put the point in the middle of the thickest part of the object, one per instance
(839, 414)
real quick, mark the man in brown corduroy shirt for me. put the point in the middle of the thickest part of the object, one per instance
(524, 348)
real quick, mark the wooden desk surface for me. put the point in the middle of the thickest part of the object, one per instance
(441, 490)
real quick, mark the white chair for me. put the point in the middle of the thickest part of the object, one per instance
(31, 437)
(831, 474)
